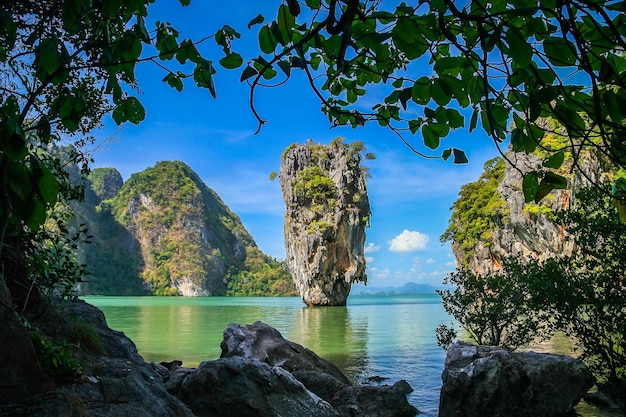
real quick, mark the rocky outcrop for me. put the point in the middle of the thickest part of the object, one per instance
(114, 380)
(327, 211)
(260, 342)
(105, 182)
(243, 387)
(165, 232)
(20, 373)
(529, 230)
(494, 382)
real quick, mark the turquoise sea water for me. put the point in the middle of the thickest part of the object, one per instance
(372, 338)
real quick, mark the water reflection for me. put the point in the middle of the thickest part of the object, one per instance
(335, 334)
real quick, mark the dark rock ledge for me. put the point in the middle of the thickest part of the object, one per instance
(259, 374)
(495, 382)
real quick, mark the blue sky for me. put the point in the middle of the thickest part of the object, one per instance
(410, 196)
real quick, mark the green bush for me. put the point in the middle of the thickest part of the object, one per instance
(495, 309)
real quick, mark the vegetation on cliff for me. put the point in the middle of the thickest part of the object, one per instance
(327, 211)
(582, 294)
(165, 232)
(478, 211)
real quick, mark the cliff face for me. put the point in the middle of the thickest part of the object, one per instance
(164, 232)
(327, 211)
(188, 237)
(529, 230)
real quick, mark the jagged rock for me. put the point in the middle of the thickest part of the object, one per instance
(247, 387)
(261, 342)
(115, 381)
(494, 382)
(265, 343)
(525, 234)
(327, 211)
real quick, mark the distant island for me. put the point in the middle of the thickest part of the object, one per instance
(408, 288)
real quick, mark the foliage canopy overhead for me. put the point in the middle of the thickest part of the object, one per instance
(501, 65)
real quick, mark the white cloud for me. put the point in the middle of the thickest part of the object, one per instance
(408, 241)
(378, 273)
(371, 248)
(430, 261)
(369, 259)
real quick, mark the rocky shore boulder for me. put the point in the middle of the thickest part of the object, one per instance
(327, 211)
(244, 387)
(261, 342)
(112, 378)
(494, 382)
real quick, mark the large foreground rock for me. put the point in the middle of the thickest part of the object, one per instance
(242, 387)
(261, 342)
(494, 382)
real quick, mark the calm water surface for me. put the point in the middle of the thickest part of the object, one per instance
(374, 337)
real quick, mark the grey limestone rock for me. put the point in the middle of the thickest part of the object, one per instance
(525, 234)
(325, 220)
(494, 382)
(261, 342)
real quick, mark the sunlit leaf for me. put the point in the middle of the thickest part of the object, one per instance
(555, 161)
(231, 61)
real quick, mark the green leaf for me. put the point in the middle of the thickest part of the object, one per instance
(519, 50)
(286, 22)
(48, 187)
(474, 120)
(543, 190)
(455, 119)
(47, 58)
(446, 154)
(141, 30)
(560, 52)
(130, 109)
(267, 41)
(257, 20)
(556, 180)
(430, 135)
(555, 161)
(174, 81)
(530, 184)
(231, 61)
(441, 93)
(421, 91)
(248, 72)
(459, 156)
(314, 4)
(286, 68)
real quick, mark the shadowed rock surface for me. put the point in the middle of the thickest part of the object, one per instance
(261, 342)
(494, 382)
(327, 211)
(115, 379)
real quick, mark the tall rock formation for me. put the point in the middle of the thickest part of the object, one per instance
(327, 211)
(512, 227)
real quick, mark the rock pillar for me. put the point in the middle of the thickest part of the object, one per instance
(327, 212)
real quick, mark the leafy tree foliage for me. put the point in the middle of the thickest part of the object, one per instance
(500, 65)
(495, 309)
(586, 292)
(65, 64)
